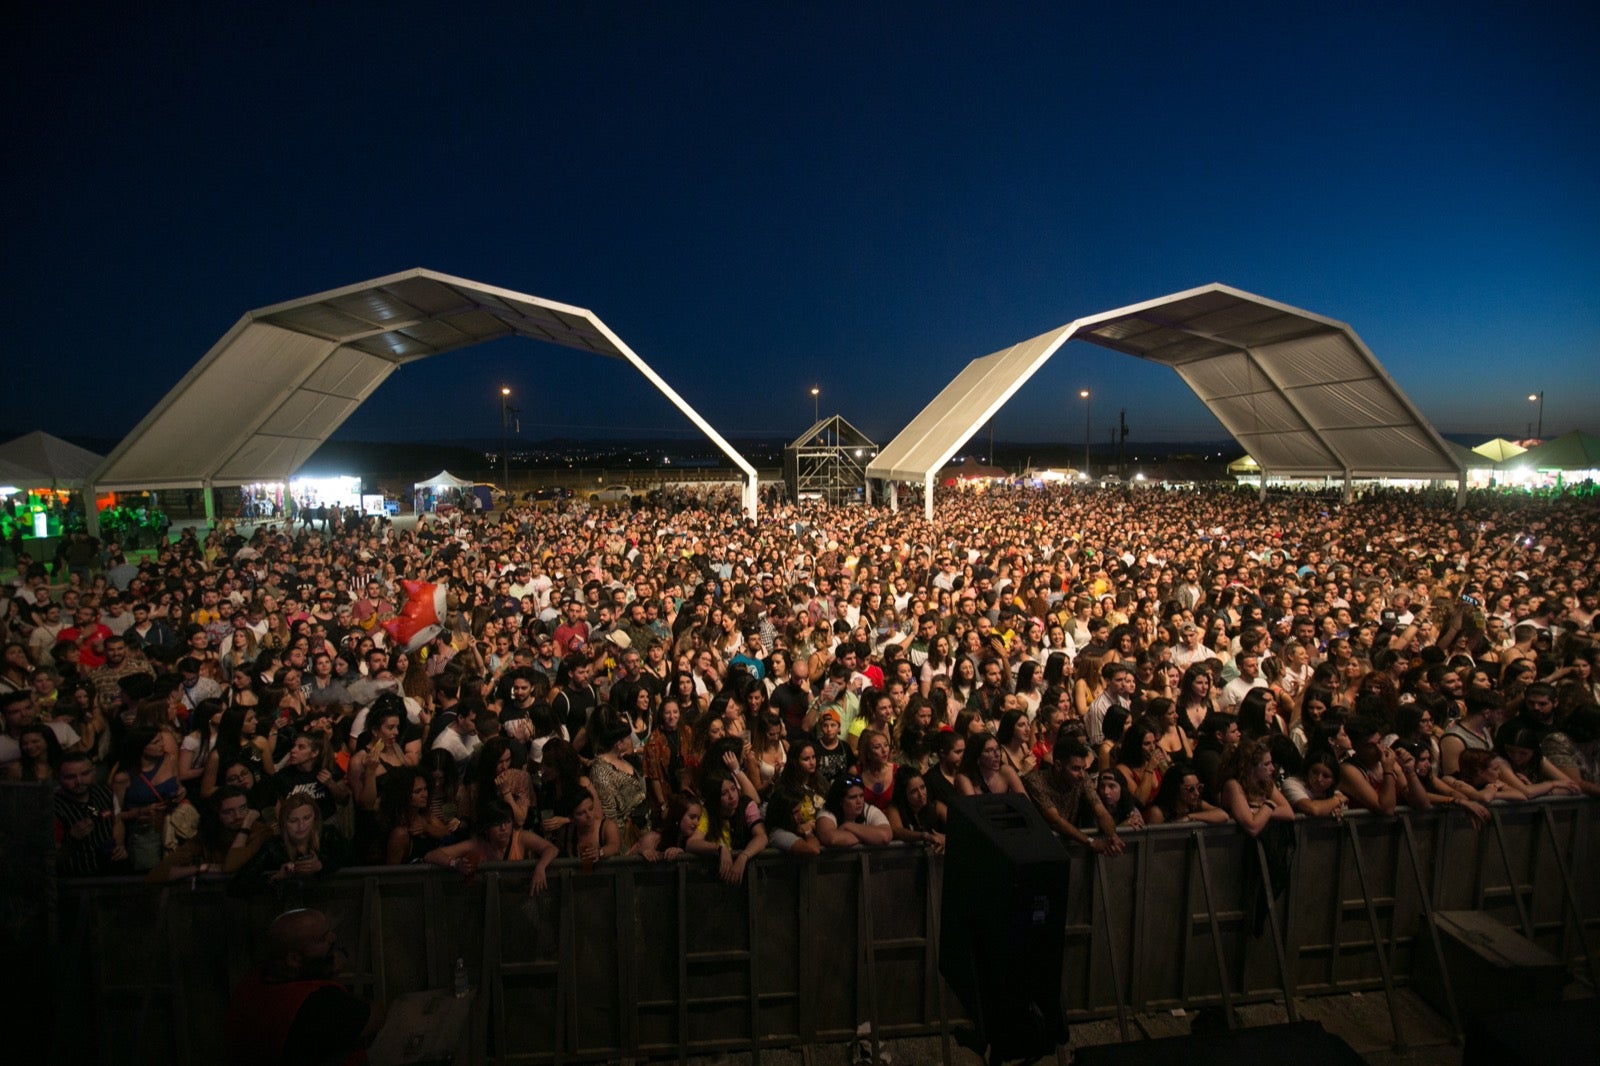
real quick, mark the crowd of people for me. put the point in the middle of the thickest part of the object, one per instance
(674, 681)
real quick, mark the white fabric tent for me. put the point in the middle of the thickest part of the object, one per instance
(278, 384)
(37, 459)
(444, 479)
(1299, 391)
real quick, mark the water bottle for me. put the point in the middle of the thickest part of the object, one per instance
(461, 978)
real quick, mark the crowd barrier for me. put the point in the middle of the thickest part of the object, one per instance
(637, 961)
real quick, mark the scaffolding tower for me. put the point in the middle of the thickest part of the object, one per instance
(829, 461)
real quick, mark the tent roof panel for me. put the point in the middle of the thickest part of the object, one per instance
(285, 377)
(982, 388)
(347, 372)
(1300, 388)
(37, 459)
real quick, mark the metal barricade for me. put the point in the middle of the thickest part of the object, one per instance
(635, 960)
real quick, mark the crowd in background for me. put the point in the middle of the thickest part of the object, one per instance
(672, 679)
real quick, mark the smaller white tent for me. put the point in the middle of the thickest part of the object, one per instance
(444, 479)
(443, 487)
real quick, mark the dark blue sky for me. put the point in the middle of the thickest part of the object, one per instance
(758, 198)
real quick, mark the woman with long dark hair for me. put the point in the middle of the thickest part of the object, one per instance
(677, 825)
(1195, 698)
(1182, 798)
(619, 784)
(405, 812)
(1015, 735)
(379, 751)
(983, 770)
(561, 785)
(1140, 763)
(237, 742)
(41, 754)
(197, 744)
(915, 817)
(731, 828)
(848, 820)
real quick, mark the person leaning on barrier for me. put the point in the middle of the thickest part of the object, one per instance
(1181, 798)
(1372, 777)
(231, 832)
(496, 839)
(848, 820)
(290, 1009)
(1312, 787)
(788, 828)
(1066, 798)
(731, 827)
(1436, 793)
(1522, 764)
(1249, 793)
(1574, 749)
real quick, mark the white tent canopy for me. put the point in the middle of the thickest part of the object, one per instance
(1299, 391)
(37, 459)
(444, 479)
(285, 377)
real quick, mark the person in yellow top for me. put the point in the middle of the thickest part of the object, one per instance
(209, 610)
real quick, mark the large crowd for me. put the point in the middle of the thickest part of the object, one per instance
(670, 679)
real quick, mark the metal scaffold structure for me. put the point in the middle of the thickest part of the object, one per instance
(829, 462)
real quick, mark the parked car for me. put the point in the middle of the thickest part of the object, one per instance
(611, 494)
(548, 498)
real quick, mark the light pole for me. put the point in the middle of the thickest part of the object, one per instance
(1084, 395)
(815, 408)
(505, 450)
(1538, 397)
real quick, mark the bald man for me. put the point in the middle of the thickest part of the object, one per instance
(290, 1009)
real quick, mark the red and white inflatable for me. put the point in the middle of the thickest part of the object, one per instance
(422, 617)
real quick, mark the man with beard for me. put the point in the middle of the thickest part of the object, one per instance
(290, 1009)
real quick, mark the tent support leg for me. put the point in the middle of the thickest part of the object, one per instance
(1461, 491)
(1349, 492)
(209, 494)
(927, 497)
(1261, 493)
(91, 513)
(894, 496)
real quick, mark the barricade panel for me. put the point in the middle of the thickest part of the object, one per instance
(638, 960)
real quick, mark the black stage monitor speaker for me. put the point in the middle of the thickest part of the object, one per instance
(1003, 924)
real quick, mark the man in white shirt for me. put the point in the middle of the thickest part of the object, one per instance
(1121, 684)
(1192, 648)
(1249, 678)
(43, 637)
(460, 736)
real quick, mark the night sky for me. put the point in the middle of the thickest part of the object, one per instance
(762, 198)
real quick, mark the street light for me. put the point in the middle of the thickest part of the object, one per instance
(1538, 397)
(815, 409)
(1084, 395)
(505, 449)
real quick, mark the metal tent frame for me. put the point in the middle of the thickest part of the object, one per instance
(1301, 392)
(285, 377)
